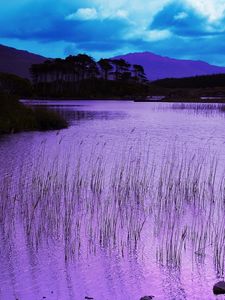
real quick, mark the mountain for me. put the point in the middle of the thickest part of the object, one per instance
(18, 62)
(158, 67)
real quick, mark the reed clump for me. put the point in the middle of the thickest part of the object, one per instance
(88, 202)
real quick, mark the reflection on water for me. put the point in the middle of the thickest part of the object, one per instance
(79, 115)
(128, 202)
(77, 112)
(201, 108)
(195, 108)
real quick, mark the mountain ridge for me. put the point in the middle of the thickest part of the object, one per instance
(159, 67)
(18, 62)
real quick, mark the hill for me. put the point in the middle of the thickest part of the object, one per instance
(18, 62)
(158, 67)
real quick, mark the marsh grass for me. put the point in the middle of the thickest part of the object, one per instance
(116, 199)
(15, 117)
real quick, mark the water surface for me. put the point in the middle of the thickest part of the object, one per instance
(126, 202)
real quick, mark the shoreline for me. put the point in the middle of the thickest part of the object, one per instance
(166, 100)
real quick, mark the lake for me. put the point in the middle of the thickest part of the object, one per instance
(128, 201)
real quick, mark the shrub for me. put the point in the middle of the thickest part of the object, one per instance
(15, 117)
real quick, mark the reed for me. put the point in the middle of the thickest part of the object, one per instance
(103, 197)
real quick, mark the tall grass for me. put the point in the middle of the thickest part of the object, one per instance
(15, 117)
(96, 198)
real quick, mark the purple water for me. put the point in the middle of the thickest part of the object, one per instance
(126, 202)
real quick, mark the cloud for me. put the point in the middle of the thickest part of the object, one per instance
(86, 14)
(148, 35)
(184, 21)
(181, 15)
(122, 13)
(212, 9)
(179, 28)
(156, 35)
(83, 14)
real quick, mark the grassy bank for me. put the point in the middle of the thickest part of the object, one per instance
(15, 117)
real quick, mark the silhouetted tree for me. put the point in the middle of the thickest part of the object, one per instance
(121, 66)
(81, 76)
(139, 73)
(106, 67)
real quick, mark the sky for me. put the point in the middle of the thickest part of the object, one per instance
(187, 29)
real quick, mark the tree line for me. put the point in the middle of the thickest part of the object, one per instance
(203, 81)
(82, 76)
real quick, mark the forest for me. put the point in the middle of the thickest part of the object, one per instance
(205, 81)
(81, 76)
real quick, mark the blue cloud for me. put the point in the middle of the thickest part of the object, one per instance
(183, 21)
(51, 26)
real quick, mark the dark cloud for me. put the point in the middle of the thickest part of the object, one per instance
(51, 25)
(183, 21)
(37, 19)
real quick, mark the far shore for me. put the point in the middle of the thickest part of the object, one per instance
(140, 100)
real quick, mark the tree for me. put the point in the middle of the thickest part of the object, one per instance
(85, 66)
(139, 73)
(106, 67)
(121, 67)
(78, 76)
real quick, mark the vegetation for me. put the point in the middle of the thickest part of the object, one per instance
(196, 82)
(81, 77)
(208, 88)
(14, 85)
(15, 117)
(86, 202)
